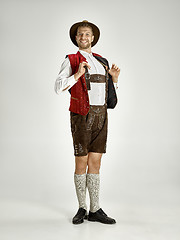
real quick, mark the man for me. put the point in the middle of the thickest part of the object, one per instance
(92, 86)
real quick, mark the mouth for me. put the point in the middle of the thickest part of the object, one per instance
(83, 42)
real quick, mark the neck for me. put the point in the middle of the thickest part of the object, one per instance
(88, 50)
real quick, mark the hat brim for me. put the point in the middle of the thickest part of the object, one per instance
(73, 31)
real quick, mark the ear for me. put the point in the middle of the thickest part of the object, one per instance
(92, 38)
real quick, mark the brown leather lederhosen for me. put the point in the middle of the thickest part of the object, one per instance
(89, 131)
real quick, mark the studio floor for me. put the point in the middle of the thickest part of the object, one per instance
(23, 220)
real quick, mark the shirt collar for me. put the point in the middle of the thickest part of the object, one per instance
(85, 53)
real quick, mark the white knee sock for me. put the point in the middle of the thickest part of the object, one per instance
(93, 184)
(80, 184)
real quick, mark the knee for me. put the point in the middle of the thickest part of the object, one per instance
(80, 169)
(94, 165)
(81, 165)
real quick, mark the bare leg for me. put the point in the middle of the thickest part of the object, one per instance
(81, 164)
(94, 162)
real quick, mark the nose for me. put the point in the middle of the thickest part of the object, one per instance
(83, 36)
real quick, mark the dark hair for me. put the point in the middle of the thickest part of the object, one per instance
(84, 24)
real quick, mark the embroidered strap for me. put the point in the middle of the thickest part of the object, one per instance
(87, 77)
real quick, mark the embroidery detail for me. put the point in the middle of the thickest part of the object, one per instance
(90, 121)
(74, 98)
(78, 148)
(101, 121)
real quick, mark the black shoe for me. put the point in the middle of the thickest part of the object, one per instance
(80, 216)
(100, 216)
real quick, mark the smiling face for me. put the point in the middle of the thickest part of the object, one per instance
(84, 38)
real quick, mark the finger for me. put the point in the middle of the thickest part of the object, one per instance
(81, 65)
(83, 62)
(114, 66)
(107, 69)
(86, 64)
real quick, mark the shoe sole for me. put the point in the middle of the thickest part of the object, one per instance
(95, 220)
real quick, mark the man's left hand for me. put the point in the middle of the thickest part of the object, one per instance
(114, 72)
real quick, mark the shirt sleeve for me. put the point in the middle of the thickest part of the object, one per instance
(65, 80)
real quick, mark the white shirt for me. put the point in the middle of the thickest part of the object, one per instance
(65, 80)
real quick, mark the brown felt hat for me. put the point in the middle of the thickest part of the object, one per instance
(73, 31)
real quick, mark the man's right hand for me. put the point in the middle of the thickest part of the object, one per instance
(81, 70)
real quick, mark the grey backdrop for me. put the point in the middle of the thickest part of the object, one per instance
(141, 166)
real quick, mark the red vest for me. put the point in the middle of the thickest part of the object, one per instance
(79, 102)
